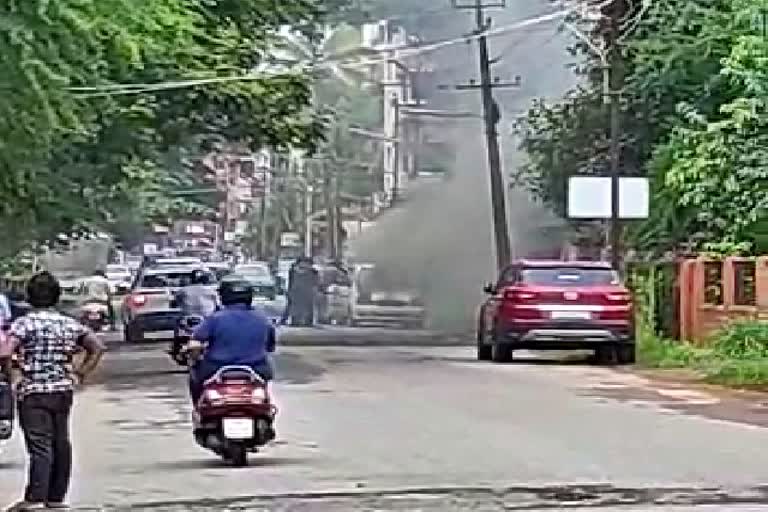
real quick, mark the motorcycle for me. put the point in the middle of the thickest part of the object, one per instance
(184, 331)
(235, 414)
(94, 315)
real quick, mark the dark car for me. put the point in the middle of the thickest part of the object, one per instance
(557, 305)
(149, 305)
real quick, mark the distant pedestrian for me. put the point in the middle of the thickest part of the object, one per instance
(46, 342)
(302, 291)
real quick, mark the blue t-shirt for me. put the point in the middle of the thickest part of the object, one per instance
(237, 335)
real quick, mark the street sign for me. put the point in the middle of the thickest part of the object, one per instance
(589, 197)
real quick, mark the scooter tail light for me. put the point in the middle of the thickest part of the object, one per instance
(212, 396)
(259, 395)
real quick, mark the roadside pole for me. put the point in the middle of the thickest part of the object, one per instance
(491, 116)
(309, 190)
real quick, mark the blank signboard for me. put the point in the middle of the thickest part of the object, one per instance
(589, 197)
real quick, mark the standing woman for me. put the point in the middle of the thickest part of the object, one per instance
(46, 342)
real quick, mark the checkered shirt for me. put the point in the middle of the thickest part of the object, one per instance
(47, 342)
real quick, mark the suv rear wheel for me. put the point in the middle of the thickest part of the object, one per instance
(484, 351)
(611, 355)
(626, 354)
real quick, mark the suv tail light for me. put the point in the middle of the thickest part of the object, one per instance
(519, 295)
(138, 300)
(618, 297)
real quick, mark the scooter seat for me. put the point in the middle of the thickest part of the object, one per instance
(227, 373)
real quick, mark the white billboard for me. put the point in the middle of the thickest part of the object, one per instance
(589, 197)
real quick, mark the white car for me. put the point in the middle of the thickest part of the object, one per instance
(119, 277)
(370, 304)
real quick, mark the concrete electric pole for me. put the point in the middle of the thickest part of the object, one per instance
(491, 115)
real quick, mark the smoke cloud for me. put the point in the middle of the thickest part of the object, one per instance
(439, 240)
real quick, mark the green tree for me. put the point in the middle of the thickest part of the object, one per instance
(72, 157)
(693, 121)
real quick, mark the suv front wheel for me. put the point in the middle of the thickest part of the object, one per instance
(500, 352)
(484, 351)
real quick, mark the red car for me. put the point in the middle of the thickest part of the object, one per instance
(557, 305)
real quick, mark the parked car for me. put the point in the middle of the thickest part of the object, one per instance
(148, 307)
(373, 303)
(557, 305)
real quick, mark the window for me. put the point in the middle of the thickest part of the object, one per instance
(713, 283)
(744, 283)
(569, 276)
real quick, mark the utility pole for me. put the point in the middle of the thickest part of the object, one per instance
(491, 115)
(330, 210)
(398, 149)
(615, 86)
(338, 212)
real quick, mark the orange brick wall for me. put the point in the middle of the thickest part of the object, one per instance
(699, 319)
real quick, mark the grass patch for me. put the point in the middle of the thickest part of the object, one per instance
(737, 355)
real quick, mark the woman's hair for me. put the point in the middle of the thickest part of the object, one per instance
(43, 290)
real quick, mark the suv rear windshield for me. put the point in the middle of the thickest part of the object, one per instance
(171, 280)
(569, 276)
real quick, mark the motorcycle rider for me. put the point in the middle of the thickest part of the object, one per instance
(98, 289)
(238, 334)
(197, 298)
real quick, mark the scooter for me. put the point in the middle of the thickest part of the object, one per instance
(235, 415)
(94, 315)
(181, 336)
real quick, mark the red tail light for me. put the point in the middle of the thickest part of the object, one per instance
(516, 295)
(138, 300)
(618, 297)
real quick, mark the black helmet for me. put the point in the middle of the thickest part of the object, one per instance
(235, 290)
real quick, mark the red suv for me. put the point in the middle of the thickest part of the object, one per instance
(557, 305)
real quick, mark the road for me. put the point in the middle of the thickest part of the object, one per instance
(417, 428)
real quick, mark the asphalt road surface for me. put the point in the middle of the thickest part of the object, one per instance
(418, 428)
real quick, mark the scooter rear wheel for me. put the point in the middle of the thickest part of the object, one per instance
(238, 455)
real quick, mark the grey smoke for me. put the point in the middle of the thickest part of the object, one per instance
(440, 239)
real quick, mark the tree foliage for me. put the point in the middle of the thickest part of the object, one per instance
(694, 122)
(72, 156)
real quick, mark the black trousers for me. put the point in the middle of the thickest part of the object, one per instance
(44, 419)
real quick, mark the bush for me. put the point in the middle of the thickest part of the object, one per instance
(742, 340)
(736, 356)
(656, 352)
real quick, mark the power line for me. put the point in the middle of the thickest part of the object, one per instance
(405, 50)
